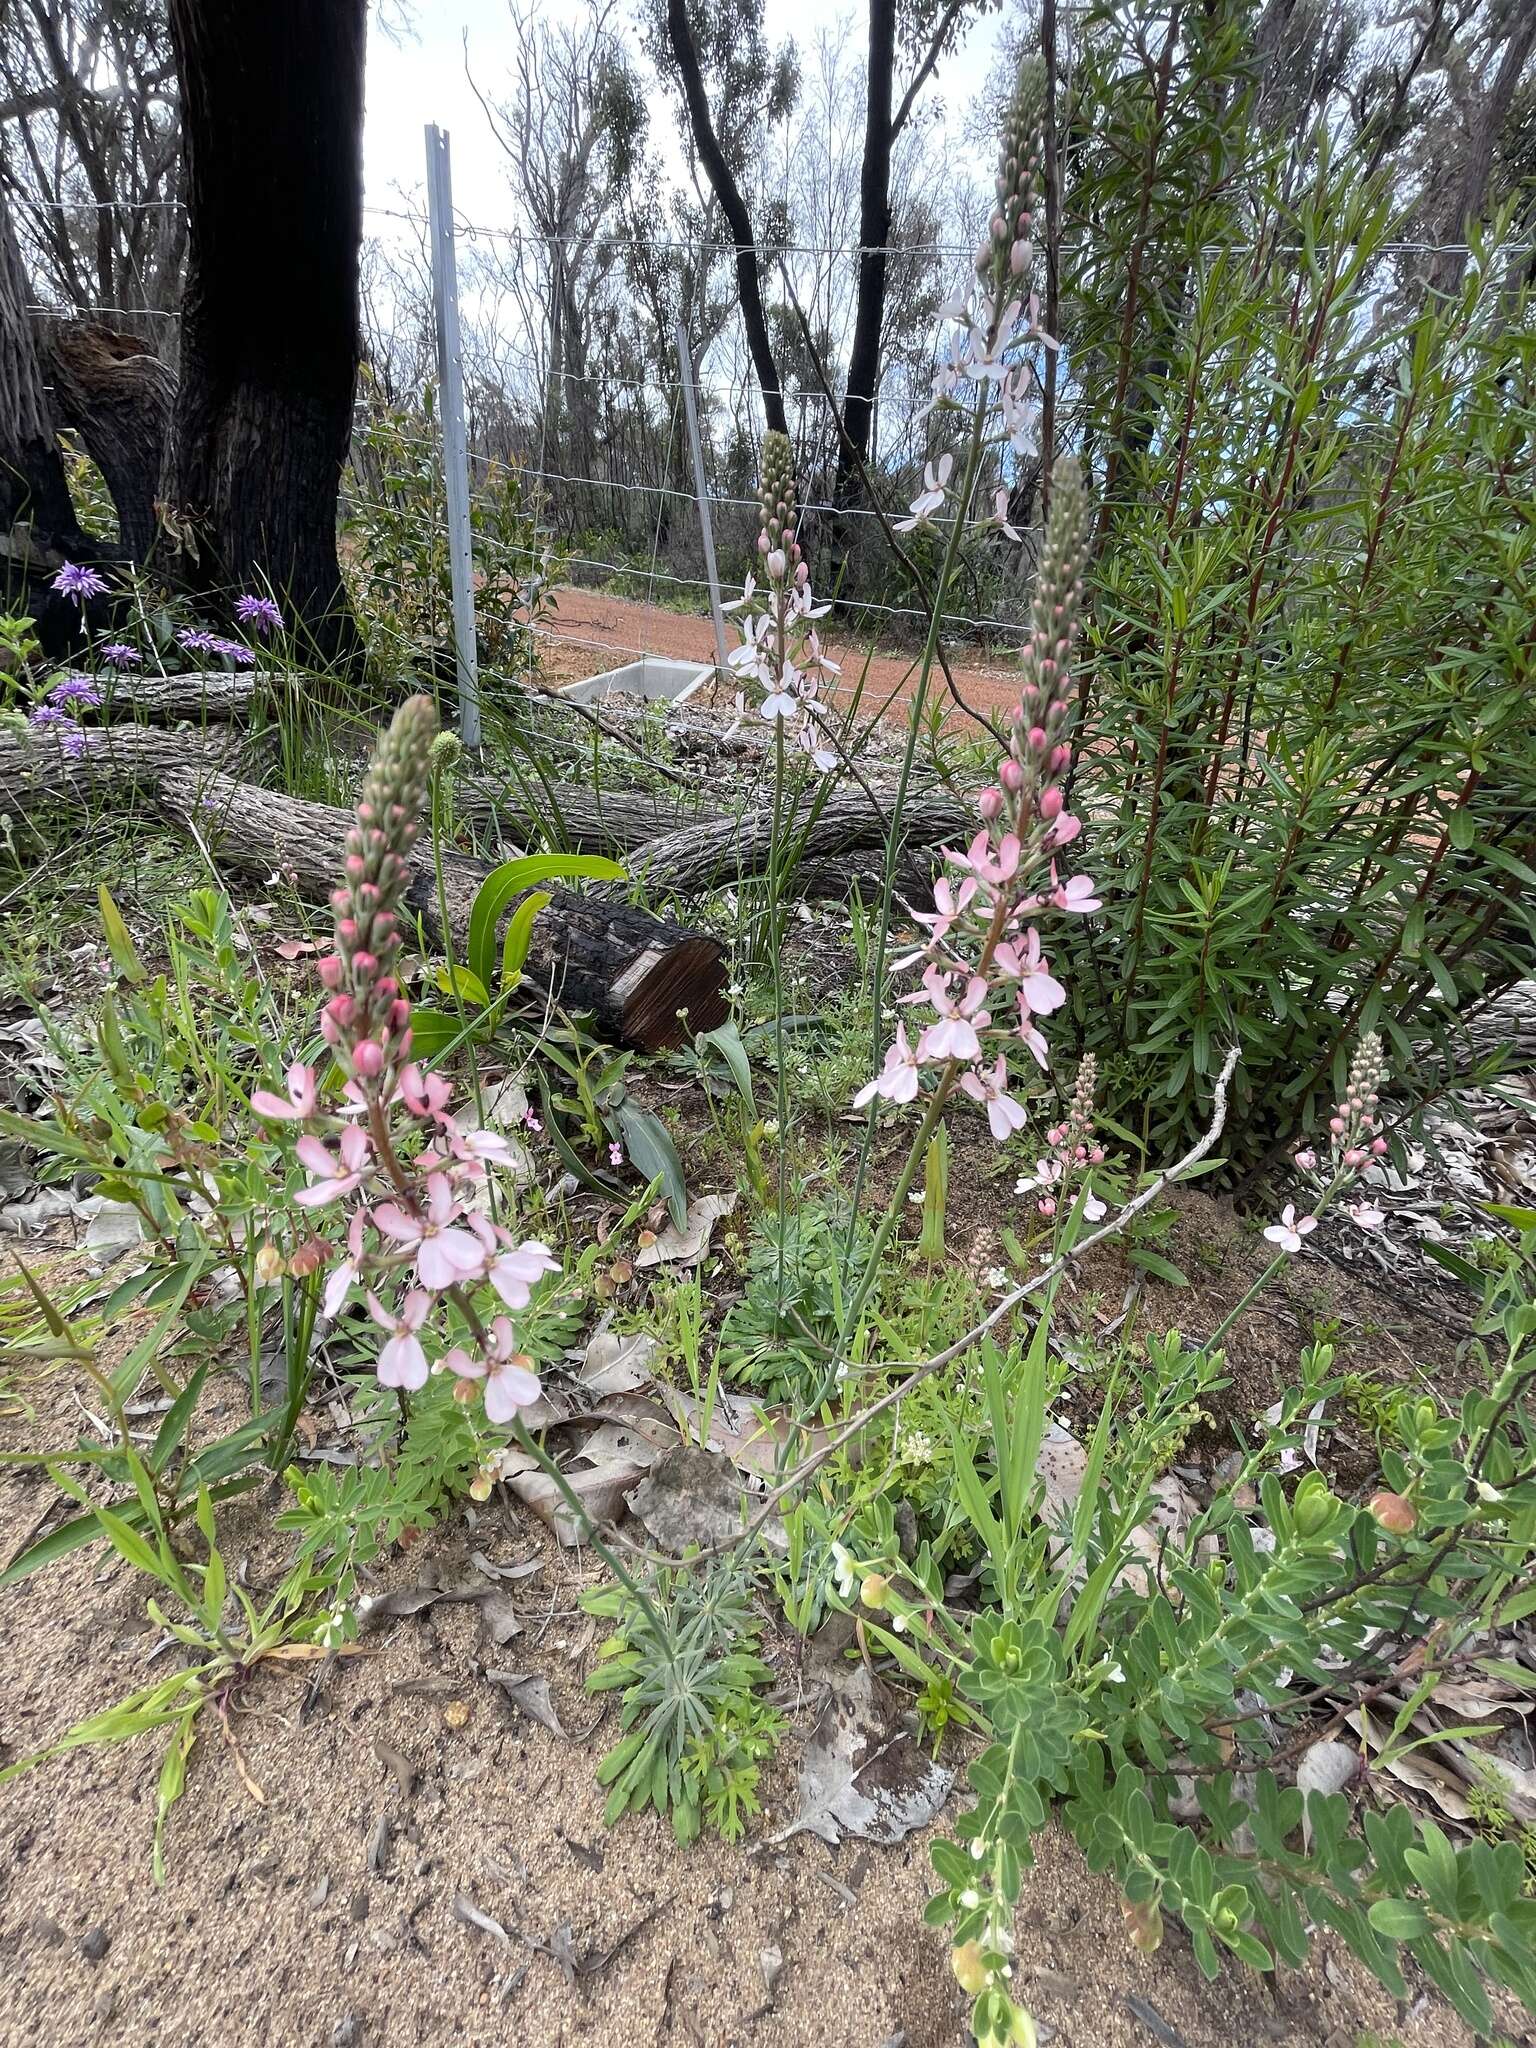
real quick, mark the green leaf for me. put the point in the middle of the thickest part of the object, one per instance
(431, 1033)
(726, 1040)
(1159, 1267)
(653, 1154)
(1399, 1919)
(178, 1415)
(120, 944)
(464, 983)
(514, 947)
(502, 885)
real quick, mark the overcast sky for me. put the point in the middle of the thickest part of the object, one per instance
(421, 79)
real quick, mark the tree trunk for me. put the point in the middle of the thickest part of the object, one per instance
(874, 234)
(38, 528)
(703, 856)
(733, 206)
(1487, 123)
(117, 395)
(272, 110)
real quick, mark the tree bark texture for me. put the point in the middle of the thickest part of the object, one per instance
(117, 395)
(728, 196)
(33, 489)
(272, 110)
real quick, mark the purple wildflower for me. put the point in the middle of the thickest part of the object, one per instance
(71, 737)
(73, 581)
(75, 690)
(259, 612)
(118, 654)
(233, 650)
(196, 640)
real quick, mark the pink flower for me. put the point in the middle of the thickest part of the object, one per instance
(1076, 895)
(949, 904)
(1031, 1035)
(476, 1148)
(897, 1079)
(1366, 1214)
(299, 1101)
(1039, 990)
(1291, 1229)
(1004, 1115)
(979, 857)
(330, 1180)
(518, 1271)
(954, 1037)
(445, 1255)
(426, 1095)
(1306, 1159)
(510, 1383)
(402, 1362)
(338, 1286)
(1000, 514)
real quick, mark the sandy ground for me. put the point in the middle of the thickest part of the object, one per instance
(591, 631)
(331, 1913)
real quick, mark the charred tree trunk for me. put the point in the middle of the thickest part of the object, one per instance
(728, 197)
(272, 110)
(38, 528)
(874, 234)
(117, 395)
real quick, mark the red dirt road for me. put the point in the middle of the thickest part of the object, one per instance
(591, 631)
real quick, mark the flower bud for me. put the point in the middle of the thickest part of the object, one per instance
(1052, 803)
(1313, 1507)
(1143, 1924)
(874, 1590)
(1011, 776)
(990, 805)
(368, 1059)
(1396, 1514)
(269, 1265)
(970, 1970)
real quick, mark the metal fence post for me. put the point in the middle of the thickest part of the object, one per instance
(445, 303)
(701, 489)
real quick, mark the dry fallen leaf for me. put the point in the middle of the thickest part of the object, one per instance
(865, 1773)
(531, 1693)
(687, 1246)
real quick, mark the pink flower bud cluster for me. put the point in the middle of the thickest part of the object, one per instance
(781, 649)
(395, 1174)
(985, 975)
(367, 1020)
(1074, 1151)
(1006, 252)
(1354, 1140)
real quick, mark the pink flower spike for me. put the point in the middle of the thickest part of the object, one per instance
(1291, 1229)
(299, 1102)
(402, 1362)
(516, 1273)
(897, 1079)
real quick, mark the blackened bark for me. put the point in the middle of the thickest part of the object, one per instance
(38, 528)
(874, 233)
(118, 396)
(272, 114)
(33, 489)
(748, 274)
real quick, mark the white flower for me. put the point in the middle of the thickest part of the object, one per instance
(931, 497)
(844, 1576)
(1291, 1229)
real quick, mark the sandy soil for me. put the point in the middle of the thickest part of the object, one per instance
(331, 1914)
(591, 631)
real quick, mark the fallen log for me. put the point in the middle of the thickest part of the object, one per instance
(645, 981)
(703, 856)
